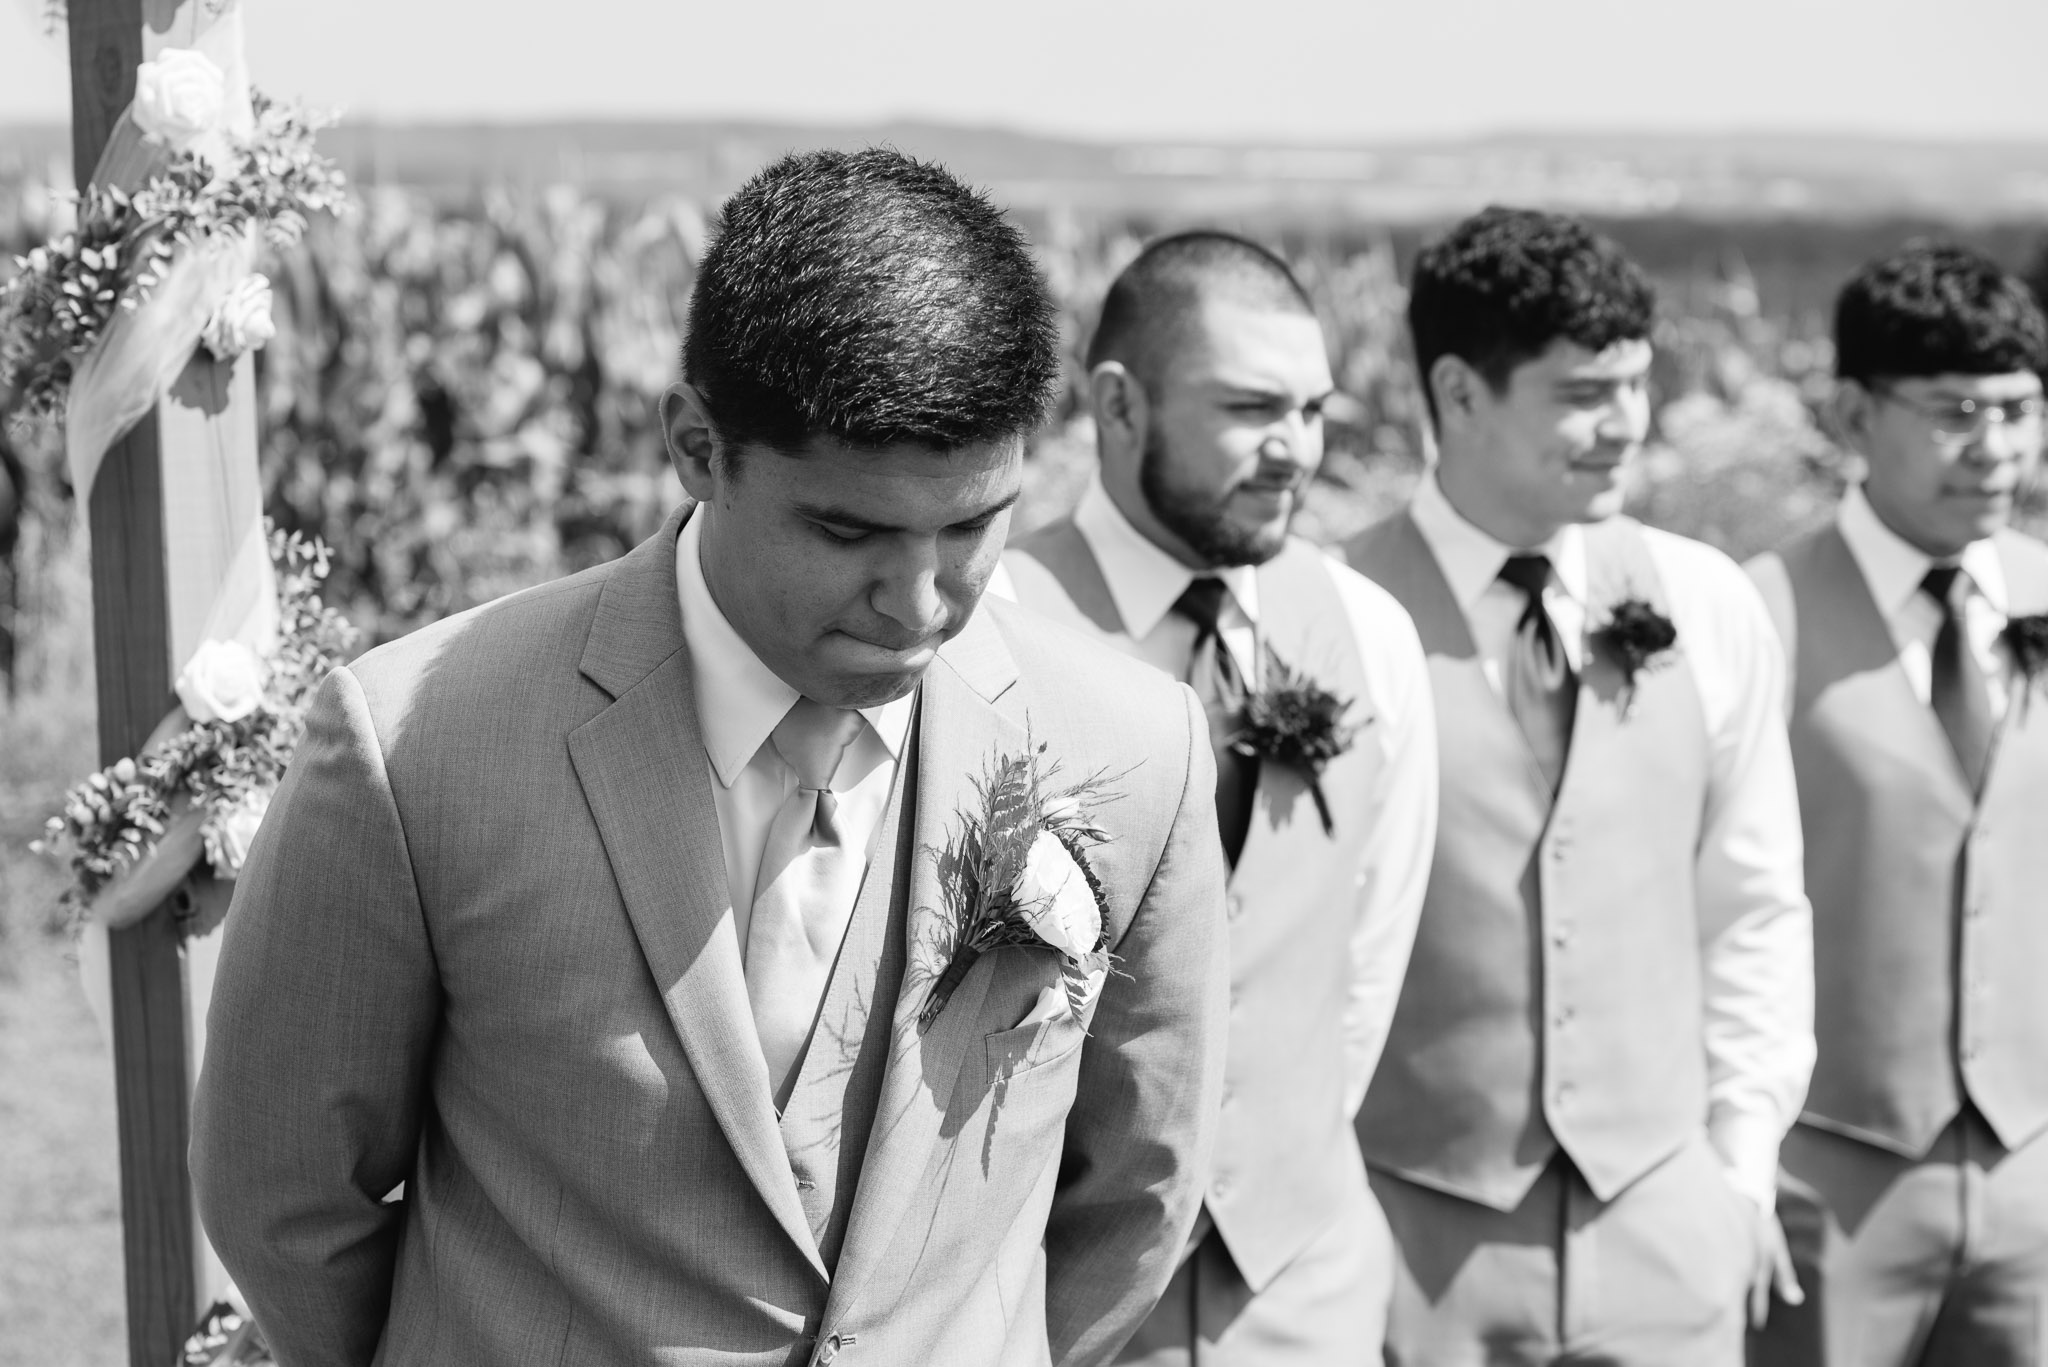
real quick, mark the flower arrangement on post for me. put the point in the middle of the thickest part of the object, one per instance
(199, 789)
(1294, 721)
(68, 293)
(1018, 874)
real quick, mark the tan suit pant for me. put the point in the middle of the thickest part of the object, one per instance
(1654, 1278)
(1940, 1261)
(1326, 1308)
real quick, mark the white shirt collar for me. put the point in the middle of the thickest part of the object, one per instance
(1471, 558)
(1894, 566)
(739, 699)
(1144, 581)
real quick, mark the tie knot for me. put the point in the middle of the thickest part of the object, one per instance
(811, 737)
(1201, 602)
(1528, 572)
(1940, 584)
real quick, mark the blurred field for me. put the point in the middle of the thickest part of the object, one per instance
(460, 402)
(60, 1231)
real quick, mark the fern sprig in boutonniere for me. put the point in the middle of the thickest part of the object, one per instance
(1018, 873)
(1636, 638)
(1294, 721)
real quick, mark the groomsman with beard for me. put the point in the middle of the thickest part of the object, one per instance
(1606, 1025)
(1917, 1178)
(1208, 375)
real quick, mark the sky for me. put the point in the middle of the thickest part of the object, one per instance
(1256, 70)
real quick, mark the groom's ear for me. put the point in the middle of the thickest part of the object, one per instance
(692, 439)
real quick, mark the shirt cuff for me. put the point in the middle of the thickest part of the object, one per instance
(1748, 1146)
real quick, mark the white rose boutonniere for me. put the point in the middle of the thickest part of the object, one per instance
(1056, 899)
(242, 322)
(1018, 874)
(180, 97)
(222, 682)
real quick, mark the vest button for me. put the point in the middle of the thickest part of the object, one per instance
(1561, 936)
(1234, 904)
(1565, 1092)
(1566, 1017)
(1221, 1190)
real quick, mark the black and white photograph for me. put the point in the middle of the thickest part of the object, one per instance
(1036, 685)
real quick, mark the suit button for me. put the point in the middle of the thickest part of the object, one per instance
(1234, 904)
(1557, 849)
(1561, 936)
(1221, 1190)
(1566, 1017)
(828, 1351)
(1565, 1092)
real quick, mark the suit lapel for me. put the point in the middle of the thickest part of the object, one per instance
(642, 766)
(961, 731)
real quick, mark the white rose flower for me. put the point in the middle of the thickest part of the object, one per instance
(235, 832)
(242, 322)
(180, 97)
(1056, 899)
(223, 682)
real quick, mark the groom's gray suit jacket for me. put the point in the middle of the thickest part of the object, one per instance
(483, 947)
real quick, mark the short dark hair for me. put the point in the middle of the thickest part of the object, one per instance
(1499, 288)
(1934, 308)
(1152, 298)
(871, 298)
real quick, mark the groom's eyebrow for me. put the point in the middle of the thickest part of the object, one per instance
(840, 517)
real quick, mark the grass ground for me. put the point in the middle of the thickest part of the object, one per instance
(60, 1207)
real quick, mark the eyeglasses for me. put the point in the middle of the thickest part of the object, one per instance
(1958, 422)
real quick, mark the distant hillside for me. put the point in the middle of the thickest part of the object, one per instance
(1745, 176)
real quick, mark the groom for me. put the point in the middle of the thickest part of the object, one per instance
(602, 917)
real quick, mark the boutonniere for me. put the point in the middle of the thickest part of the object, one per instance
(1294, 721)
(1635, 638)
(1018, 874)
(2026, 639)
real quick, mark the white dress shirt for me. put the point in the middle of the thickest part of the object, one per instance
(1893, 567)
(1144, 582)
(1756, 932)
(739, 702)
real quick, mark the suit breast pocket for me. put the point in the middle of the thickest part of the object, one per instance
(1032, 1045)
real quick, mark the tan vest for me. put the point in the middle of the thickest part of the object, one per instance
(831, 1110)
(1554, 996)
(1930, 909)
(1283, 1147)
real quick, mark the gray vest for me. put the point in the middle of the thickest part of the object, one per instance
(1554, 996)
(1928, 925)
(830, 1111)
(1283, 1150)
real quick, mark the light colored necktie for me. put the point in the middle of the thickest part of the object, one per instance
(1542, 693)
(804, 893)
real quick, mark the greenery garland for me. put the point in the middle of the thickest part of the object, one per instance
(68, 292)
(226, 768)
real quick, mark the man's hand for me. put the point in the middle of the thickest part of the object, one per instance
(1772, 1267)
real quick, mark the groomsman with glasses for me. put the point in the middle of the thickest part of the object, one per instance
(1917, 1179)
(1208, 375)
(1606, 1026)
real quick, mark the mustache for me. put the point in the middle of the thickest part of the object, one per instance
(1276, 477)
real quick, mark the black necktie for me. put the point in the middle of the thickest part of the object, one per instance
(1542, 693)
(1961, 699)
(1213, 674)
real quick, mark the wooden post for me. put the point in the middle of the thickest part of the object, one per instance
(132, 662)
